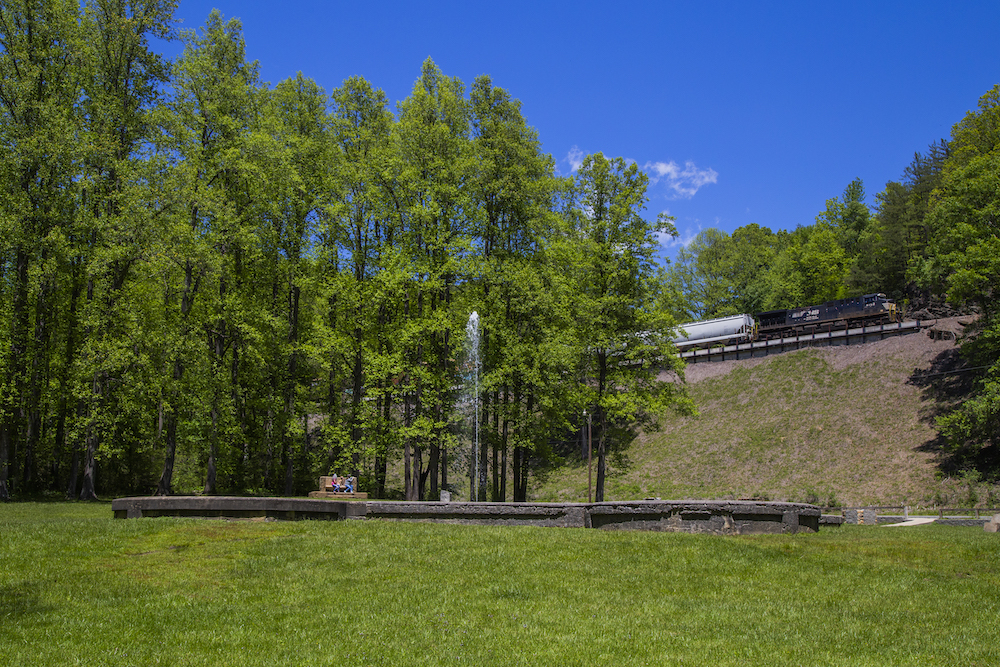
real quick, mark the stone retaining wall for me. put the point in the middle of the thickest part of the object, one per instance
(690, 516)
(696, 516)
(558, 515)
(235, 507)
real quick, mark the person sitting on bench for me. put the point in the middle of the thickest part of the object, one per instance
(349, 485)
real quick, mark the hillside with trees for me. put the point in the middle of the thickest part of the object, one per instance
(210, 284)
(930, 242)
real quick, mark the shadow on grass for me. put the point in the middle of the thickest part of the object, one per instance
(21, 600)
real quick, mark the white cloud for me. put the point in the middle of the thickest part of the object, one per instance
(683, 240)
(680, 183)
(683, 182)
(575, 158)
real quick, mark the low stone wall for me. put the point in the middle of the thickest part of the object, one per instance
(703, 516)
(690, 516)
(556, 515)
(235, 507)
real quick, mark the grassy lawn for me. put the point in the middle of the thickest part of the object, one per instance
(78, 587)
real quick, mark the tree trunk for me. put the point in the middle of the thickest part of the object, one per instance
(4, 449)
(409, 489)
(444, 469)
(503, 446)
(291, 381)
(357, 390)
(382, 457)
(601, 459)
(434, 458)
(165, 485)
(602, 362)
(495, 442)
(88, 490)
(210, 472)
(12, 411)
(433, 463)
(64, 382)
(74, 474)
(39, 378)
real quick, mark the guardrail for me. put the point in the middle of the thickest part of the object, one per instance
(940, 512)
(763, 348)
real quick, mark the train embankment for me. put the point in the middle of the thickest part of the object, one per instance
(833, 425)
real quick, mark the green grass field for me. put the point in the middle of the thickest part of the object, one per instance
(80, 588)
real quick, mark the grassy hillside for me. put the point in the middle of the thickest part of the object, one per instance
(847, 425)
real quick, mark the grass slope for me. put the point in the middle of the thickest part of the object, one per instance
(826, 425)
(77, 587)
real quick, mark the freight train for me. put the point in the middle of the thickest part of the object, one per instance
(866, 310)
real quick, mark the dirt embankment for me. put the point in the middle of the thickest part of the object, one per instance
(924, 350)
(846, 425)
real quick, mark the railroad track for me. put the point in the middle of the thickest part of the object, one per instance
(763, 348)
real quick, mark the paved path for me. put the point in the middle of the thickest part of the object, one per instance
(916, 521)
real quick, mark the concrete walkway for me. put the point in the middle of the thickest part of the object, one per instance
(915, 521)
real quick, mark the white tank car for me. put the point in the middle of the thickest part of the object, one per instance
(723, 330)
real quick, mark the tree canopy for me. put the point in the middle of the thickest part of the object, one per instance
(212, 284)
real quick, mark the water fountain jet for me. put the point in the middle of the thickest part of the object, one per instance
(472, 337)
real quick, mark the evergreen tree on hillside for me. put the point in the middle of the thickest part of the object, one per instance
(896, 241)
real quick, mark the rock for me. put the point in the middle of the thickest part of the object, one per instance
(993, 525)
(861, 516)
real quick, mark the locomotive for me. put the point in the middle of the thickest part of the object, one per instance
(867, 310)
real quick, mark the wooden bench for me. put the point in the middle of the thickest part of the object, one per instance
(326, 491)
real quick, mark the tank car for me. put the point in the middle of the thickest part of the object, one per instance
(720, 331)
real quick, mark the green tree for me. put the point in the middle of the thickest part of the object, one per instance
(626, 340)
(964, 260)
(700, 275)
(895, 243)
(718, 275)
(214, 138)
(810, 268)
(299, 174)
(120, 87)
(518, 290)
(432, 139)
(40, 121)
(847, 216)
(361, 274)
(750, 253)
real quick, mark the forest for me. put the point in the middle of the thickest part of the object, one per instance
(214, 285)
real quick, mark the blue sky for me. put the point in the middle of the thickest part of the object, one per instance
(741, 112)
